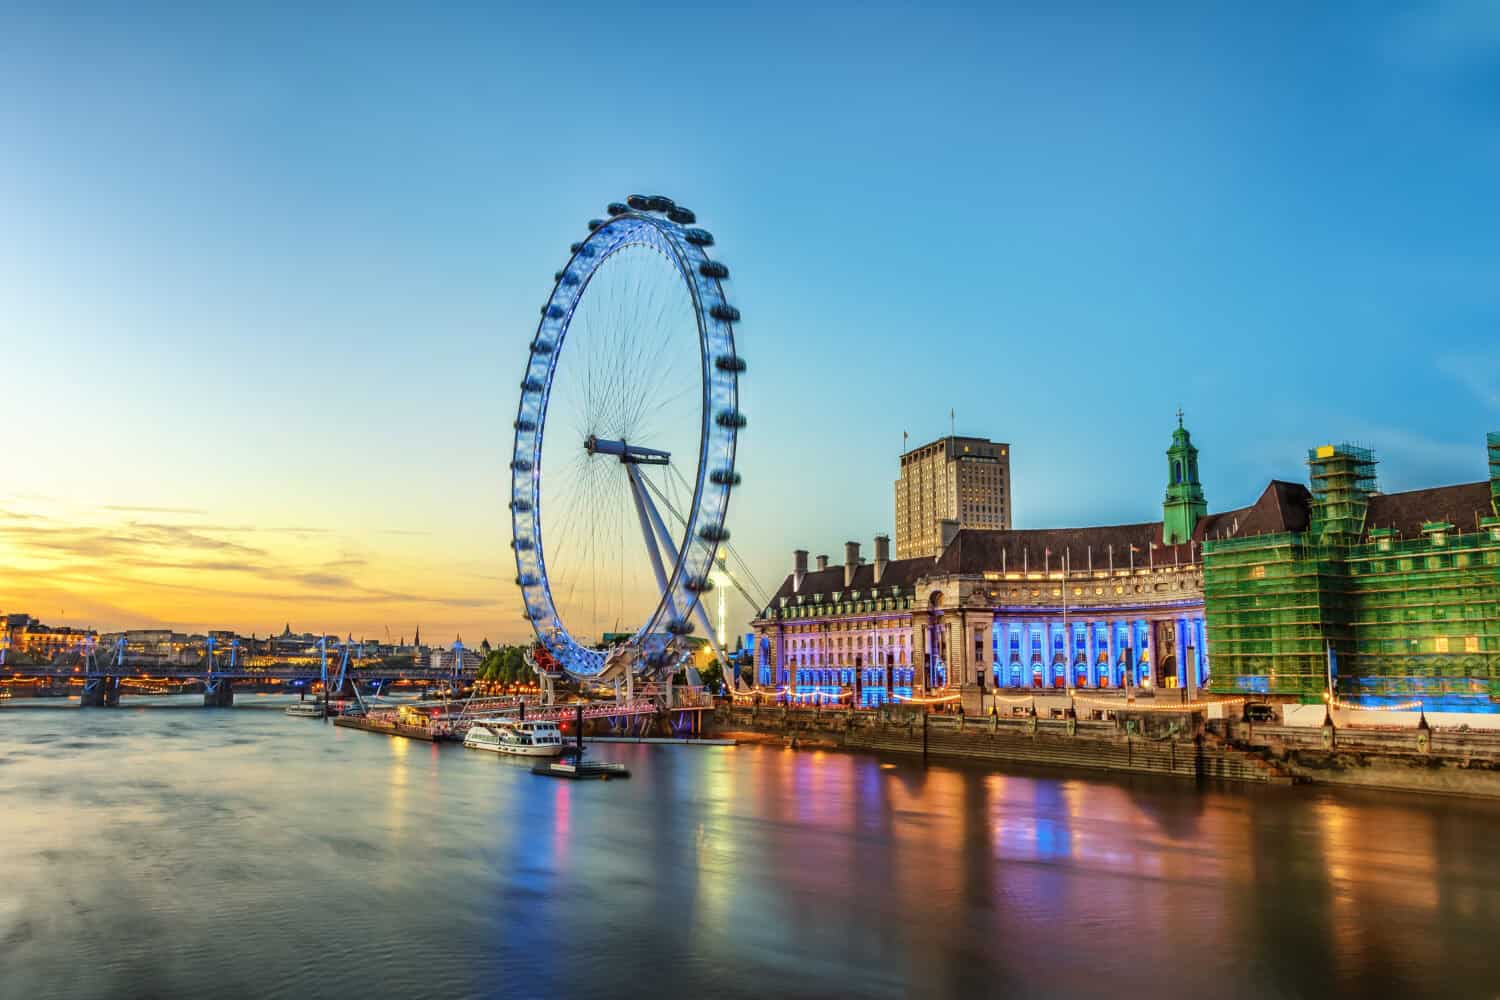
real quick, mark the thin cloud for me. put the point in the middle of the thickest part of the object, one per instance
(129, 509)
(1479, 376)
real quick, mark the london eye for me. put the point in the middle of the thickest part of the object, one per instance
(625, 434)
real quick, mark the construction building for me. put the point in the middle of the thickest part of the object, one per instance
(1381, 597)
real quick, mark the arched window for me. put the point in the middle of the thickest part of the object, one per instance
(1177, 471)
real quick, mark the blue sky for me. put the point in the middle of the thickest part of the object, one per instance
(276, 270)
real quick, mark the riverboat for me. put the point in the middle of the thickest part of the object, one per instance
(522, 739)
(306, 710)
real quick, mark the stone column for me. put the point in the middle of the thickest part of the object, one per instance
(1205, 669)
(1151, 652)
(1112, 645)
(219, 693)
(1179, 636)
(920, 620)
(1091, 642)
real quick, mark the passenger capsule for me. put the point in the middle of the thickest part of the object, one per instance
(595, 224)
(524, 425)
(730, 418)
(661, 203)
(521, 544)
(526, 580)
(730, 363)
(680, 627)
(725, 312)
(553, 311)
(698, 237)
(521, 505)
(639, 202)
(713, 269)
(715, 533)
(699, 585)
(724, 477)
(521, 464)
(541, 347)
(615, 208)
(682, 216)
(533, 384)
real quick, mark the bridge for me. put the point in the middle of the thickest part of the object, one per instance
(103, 679)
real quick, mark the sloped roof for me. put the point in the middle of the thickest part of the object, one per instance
(1282, 506)
(1462, 505)
(978, 550)
(898, 573)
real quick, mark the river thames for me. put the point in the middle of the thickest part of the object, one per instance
(171, 850)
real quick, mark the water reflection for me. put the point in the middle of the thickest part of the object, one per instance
(140, 841)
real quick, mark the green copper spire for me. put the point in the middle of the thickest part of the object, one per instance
(1184, 504)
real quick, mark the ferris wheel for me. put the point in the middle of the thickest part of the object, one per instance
(625, 436)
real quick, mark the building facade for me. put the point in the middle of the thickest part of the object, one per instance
(23, 637)
(960, 479)
(1118, 606)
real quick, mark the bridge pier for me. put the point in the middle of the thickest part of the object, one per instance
(218, 693)
(100, 692)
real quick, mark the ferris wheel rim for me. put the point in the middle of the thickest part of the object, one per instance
(703, 529)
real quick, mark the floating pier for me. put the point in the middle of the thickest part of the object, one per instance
(582, 770)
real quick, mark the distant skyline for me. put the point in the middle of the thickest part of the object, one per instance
(267, 277)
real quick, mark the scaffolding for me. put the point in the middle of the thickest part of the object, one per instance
(1414, 616)
(1342, 479)
(1493, 440)
(1268, 622)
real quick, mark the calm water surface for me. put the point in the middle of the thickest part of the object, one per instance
(154, 851)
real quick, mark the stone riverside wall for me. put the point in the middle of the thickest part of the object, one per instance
(1451, 762)
(1173, 746)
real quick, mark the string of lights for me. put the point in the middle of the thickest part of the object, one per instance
(1133, 706)
(1405, 706)
(819, 696)
(914, 700)
(752, 695)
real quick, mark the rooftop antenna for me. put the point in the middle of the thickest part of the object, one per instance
(952, 424)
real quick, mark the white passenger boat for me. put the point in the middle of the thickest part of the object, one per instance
(523, 739)
(306, 710)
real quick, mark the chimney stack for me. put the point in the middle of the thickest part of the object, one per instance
(823, 561)
(882, 555)
(799, 569)
(949, 528)
(851, 560)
